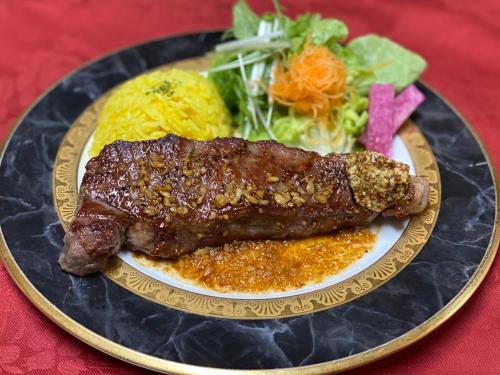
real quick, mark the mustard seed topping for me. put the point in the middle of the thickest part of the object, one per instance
(182, 211)
(280, 199)
(220, 200)
(250, 198)
(377, 182)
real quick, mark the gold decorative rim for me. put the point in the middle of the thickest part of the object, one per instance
(166, 366)
(390, 264)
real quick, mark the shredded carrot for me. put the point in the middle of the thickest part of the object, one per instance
(313, 83)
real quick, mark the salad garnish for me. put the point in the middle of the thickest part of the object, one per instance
(297, 81)
(312, 82)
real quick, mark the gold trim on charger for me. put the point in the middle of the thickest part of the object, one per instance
(390, 264)
(166, 366)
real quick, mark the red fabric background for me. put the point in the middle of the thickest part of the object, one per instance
(40, 41)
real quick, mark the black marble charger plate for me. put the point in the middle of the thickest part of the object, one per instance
(428, 291)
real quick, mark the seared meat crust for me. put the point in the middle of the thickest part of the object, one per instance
(171, 196)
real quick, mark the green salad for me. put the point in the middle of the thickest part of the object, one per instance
(302, 83)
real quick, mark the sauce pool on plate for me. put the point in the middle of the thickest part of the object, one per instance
(271, 265)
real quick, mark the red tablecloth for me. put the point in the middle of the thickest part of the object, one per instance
(40, 41)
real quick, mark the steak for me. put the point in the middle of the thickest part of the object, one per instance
(171, 196)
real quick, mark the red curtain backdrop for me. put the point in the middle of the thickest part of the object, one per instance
(40, 41)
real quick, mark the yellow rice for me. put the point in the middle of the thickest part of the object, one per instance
(162, 102)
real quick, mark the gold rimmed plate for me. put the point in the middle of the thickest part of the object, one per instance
(422, 273)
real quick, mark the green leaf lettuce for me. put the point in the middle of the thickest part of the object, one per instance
(245, 21)
(390, 63)
(328, 31)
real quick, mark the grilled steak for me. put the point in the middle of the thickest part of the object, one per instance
(171, 196)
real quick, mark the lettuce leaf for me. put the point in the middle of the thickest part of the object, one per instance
(389, 62)
(245, 21)
(325, 32)
(297, 30)
(328, 31)
(357, 73)
(231, 88)
(287, 129)
(353, 115)
(305, 133)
